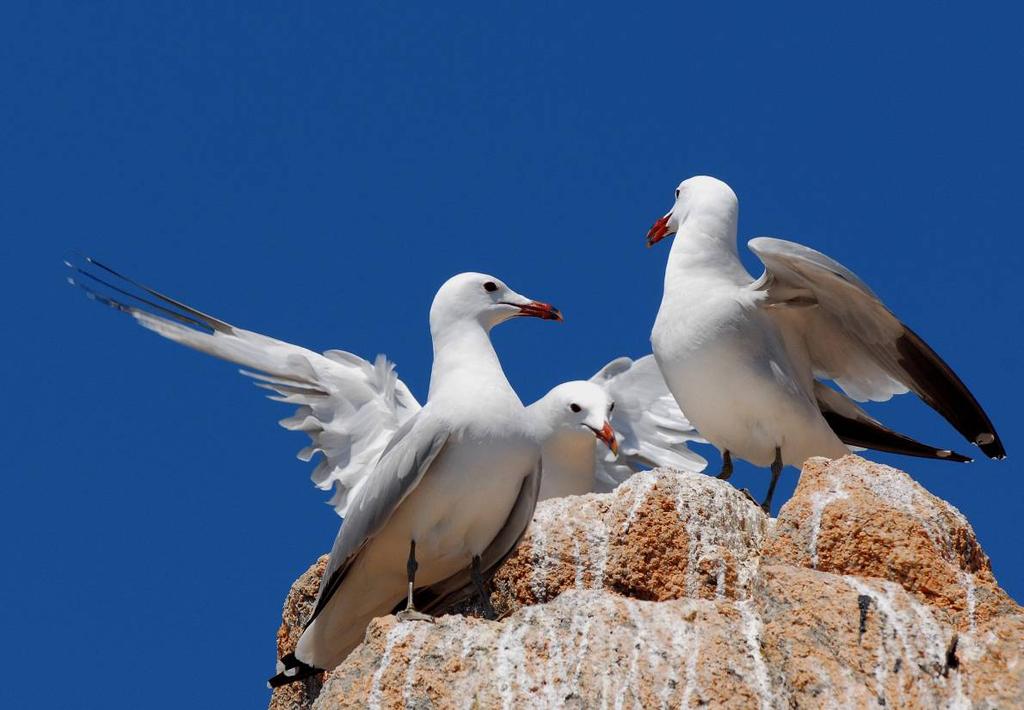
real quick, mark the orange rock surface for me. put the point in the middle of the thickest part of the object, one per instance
(674, 590)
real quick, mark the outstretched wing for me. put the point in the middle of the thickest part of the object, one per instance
(652, 430)
(350, 408)
(830, 317)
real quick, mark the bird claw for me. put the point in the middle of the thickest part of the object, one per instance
(413, 615)
(749, 496)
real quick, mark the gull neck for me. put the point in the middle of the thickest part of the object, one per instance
(464, 356)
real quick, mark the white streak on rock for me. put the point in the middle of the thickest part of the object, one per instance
(465, 691)
(599, 554)
(752, 633)
(640, 640)
(646, 482)
(538, 580)
(555, 672)
(971, 601)
(922, 639)
(398, 632)
(584, 644)
(415, 646)
(512, 658)
(820, 501)
(692, 653)
(577, 554)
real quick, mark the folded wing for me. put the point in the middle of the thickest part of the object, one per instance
(349, 407)
(652, 430)
(830, 317)
(440, 597)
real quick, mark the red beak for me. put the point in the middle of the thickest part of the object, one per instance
(659, 231)
(607, 435)
(536, 309)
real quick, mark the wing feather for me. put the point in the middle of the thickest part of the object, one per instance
(442, 596)
(413, 449)
(653, 431)
(350, 408)
(830, 317)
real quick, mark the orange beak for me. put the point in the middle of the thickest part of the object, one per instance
(659, 231)
(537, 309)
(607, 435)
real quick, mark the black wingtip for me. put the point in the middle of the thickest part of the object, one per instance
(937, 384)
(873, 435)
(990, 445)
(109, 293)
(294, 670)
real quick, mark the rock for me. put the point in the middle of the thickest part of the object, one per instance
(674, 590)
(571, 652)
(854, 517)
(297, 606)
(659, 536)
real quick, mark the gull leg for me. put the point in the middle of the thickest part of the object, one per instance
(409, 613)
(481, 589)
(726, 466)
(766, 506)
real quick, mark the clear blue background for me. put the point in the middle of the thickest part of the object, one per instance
(314, 172)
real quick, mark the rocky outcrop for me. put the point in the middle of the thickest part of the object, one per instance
(675, 590)
(297, 607)
(854, 517)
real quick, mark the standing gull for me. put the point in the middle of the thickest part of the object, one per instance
(744, 357)
(455, 484)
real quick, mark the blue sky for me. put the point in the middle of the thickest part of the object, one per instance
(315, 171)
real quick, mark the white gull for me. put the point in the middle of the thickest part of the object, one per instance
(745, 358)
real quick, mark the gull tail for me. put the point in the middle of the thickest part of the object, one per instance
(294, 670)
(855, 427)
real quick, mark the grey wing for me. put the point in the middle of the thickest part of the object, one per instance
(438, 597)
(652, 430)
(401, 467)
(830, 318)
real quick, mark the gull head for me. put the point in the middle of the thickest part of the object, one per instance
(483, 299)
(700, 194)
(581, 407)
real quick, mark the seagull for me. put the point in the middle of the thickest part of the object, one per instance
(594, 433)
(650, 430)
(457, 482)
(746, 358)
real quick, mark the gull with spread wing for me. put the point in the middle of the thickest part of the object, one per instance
(745, 358)
(455, 484)
(594, 433)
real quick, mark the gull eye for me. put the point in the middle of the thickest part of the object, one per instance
(574, 407)
(611, 407)
(490, 287)
(677, 193)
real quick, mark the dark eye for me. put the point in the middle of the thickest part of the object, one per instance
(490, 287)
(611, 408)
(574, 407)
(677, 193)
